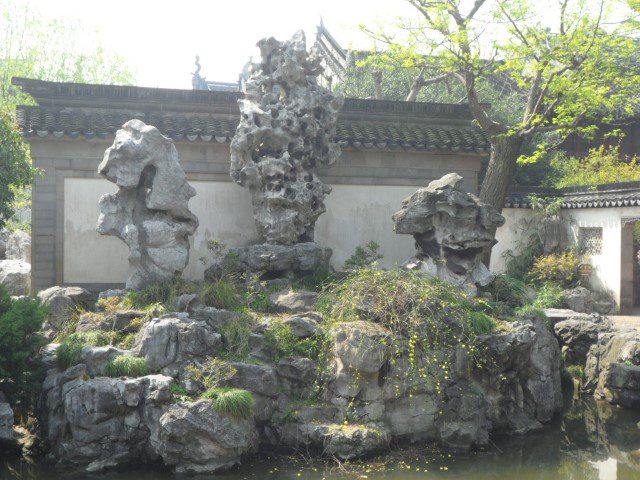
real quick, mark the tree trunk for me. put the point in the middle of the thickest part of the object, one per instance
(377, 83)
(500, 172)
(416, 86)
(505, 151)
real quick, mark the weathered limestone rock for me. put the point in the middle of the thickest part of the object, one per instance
(283, 260)
(612, 371)
(451, 229)
(97, 358)
(63, 302)
(195, 439)
(4, 237)
(150, 211)
(343, 441)
(167, 342)
(8, 438)
(102, 423)
(15, 276)
(286, 131)
(121, 321)
(576, 337)
(294, 302)
(18, 246)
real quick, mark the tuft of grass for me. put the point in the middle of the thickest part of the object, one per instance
(235, 334)
(234, 402)
(531, 311)
(127, 366)
(222, 294)
(68, 353)
(508, 290)
(481, 323)
(281, 342)
(549, 296)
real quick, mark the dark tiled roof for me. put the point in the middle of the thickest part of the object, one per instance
(624, 194)
(193, 115)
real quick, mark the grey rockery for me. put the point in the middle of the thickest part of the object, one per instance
(287, 128)
(452, 228)
(150, 211)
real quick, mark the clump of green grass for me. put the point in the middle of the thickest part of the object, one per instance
(69, 351)
(235, 334)
(234, 402)
(280, 342)
(531, 311)
(127, 366)
(549, 296)
(481, 323)
(222, 293)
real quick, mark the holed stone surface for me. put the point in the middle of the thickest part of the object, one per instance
(286, 130)
(451, 228)
(150, 211)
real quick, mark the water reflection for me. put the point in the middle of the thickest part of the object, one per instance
(593, 441)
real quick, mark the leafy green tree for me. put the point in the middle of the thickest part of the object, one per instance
(602, 165)
(572, 66)
(34, 47)
(16, 171)
(21, 374)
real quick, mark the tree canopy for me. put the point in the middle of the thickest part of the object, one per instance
(568, 65)
(34, 47)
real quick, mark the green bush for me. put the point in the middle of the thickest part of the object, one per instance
(231, 401)
(576, 371)
(508, 290)
(549, 296)
(235, 334)
(221, 293)
(531, 311)
(481, 323)
(363, 257)
(68, 353)
(280, 342)
(407, 303)
(21, 373)
(127, 366)
(559, 268)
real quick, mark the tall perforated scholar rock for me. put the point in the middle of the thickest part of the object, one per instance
(451, 228)
(150, 211)
(286, 131)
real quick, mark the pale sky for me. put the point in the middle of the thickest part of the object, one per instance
(159, 40)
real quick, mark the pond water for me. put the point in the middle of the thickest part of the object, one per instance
(592, 441)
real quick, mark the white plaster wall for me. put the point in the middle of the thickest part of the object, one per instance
(607, 267)
(355, 215)
(508, 236)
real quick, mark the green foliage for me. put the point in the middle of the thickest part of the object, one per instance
(33, 46)
(314, 281)
(508, 290)
(480, 323)
(531, 311)
(21, 374)
(281, 342)
(213, 374)
(602, 165)
(69, 351)
(576, 371)
(231, 401)
(181, 393)
(559, 268)
(549, 295)
(235, 334)
(363, 256)
(127, 366)
(221, 293)
(15, 165)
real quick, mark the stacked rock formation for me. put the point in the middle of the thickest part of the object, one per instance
(286, 131)
(150, 211)
(451, 228)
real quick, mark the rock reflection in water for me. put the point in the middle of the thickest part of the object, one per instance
(593, 441)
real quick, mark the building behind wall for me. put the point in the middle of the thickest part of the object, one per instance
(389, 149)
(600, 222)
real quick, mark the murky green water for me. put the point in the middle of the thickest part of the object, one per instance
(593, 441)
